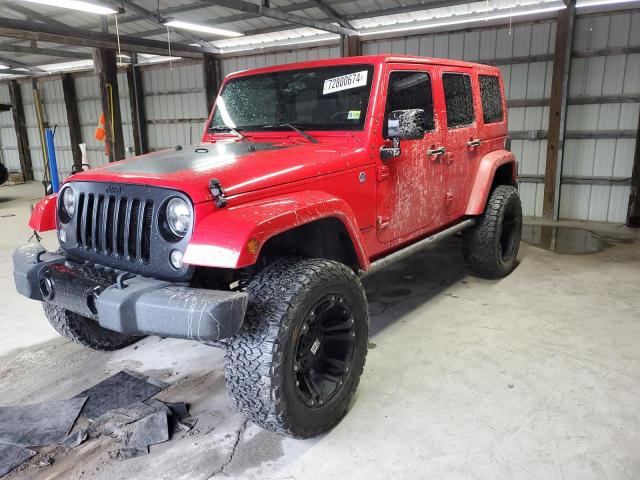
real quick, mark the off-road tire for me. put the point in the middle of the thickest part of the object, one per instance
(259, 360)
(491, 246)
(83, 330)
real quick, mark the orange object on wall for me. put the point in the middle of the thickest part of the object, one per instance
(101, 133)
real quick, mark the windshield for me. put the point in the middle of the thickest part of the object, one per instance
(331, 98)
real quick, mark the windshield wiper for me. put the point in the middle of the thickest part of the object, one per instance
(294, 128)
(225, 128)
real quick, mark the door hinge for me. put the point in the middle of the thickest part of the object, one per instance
(382, 223)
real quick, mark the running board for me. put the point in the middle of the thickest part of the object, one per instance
(416, 247)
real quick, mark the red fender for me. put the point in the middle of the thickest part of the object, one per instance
(228, 247)
(43, 217)
(484, 178)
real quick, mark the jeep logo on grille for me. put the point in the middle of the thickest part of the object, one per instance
(114, 190)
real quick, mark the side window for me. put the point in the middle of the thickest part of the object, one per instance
(491, 98)
(410, 90)
(458, 99)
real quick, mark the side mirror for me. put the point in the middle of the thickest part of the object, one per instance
(403, 125)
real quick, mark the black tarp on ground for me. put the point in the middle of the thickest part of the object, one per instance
(118, 391)
(39, 424)
(11, 456)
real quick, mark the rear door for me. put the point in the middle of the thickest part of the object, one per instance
(410, 185)
(461, 138)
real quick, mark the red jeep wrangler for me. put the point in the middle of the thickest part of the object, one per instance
(309, 176)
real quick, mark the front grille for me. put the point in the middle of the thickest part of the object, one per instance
(119, 226)
(115, 226)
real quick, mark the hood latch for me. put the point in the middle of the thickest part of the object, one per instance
(217, 192)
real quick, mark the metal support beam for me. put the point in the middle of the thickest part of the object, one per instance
(20, 124)
(253, 8)
(331, 14)
(107, 70)
(160, 20)
(633, 213)
(73, 119)
(74, 36)
(558, 110)
(138, 112)
(50, 52)
(212, 79)
(351, 46)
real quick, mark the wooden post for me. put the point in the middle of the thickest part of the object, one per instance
(20, 124)
(73, 119)
(212, 79)
(104, 60)
(558, 111)
(633, 214)
(351, 46)
(136, 102)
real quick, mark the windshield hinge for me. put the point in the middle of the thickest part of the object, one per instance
(217, 192)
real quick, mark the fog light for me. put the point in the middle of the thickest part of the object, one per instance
(176, 259)
(63, 236)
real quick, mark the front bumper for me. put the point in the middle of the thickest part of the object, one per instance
(126, 303)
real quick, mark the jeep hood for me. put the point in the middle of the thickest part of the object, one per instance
(239, 166)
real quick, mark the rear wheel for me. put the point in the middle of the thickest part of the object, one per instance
(297, 362)
(491, 245)
(83, 330)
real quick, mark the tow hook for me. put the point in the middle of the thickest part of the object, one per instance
(217, 193)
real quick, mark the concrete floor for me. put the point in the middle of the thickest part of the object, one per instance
(536, 376)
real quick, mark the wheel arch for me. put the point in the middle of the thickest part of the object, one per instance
(262, 227)
(496, 168)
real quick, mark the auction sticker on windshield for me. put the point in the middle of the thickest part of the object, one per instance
(345, 82)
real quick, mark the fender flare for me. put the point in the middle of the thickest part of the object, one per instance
(484, 179)
(228, 247)
(43, 216)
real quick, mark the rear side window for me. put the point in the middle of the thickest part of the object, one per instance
(491, 98)
(410, 90)
(458, 99)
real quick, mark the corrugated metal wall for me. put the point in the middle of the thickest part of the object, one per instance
(55, 114)
(234, 64)
(89, 110)
(8, 140)
(175, 105)
(610, 74)
(523, 81)
(33, 131)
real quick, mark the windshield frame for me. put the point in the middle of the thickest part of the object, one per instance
(371, 68)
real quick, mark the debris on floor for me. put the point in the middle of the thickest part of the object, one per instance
(119, 390)
(119, 407)
(11, 456)
(39, 424)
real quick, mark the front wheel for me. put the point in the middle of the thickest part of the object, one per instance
(297, 362)
(83, 330)
(491, 245)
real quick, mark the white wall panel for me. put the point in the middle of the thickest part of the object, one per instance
(89, 110)
(8, 139)
(175, 105)
(55, 114)
(610, 75)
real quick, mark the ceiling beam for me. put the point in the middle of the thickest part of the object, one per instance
(33, 15)
(160, 20)
(276, 14)
(419, 7)
(86, 38)
(49, 52)
(13, 71)
(332, 14)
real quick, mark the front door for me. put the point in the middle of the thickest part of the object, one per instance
(461, 138)
(410, 185)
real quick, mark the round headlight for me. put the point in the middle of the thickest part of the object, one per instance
(69, 201)
(178, 216)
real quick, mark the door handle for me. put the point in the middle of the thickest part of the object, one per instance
(436, 151)
(474, 142)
